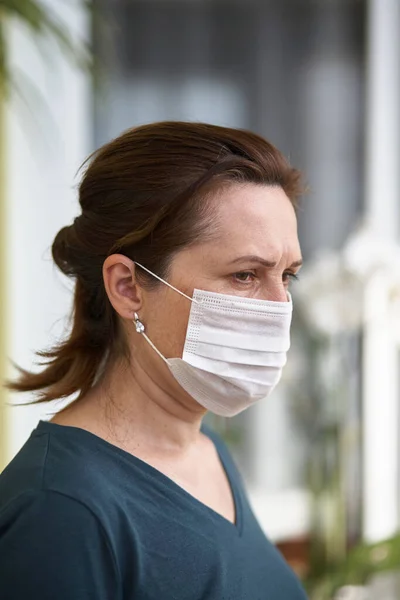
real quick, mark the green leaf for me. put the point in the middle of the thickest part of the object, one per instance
(3, 63)
(42, 22)
(362, 563)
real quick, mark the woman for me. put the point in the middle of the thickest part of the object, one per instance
(182, 257)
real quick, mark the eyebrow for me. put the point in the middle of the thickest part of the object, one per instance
(266, 263)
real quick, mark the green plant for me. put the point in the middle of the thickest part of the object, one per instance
(360, 566)
(41, 22)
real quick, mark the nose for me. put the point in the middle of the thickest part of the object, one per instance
(278, 293)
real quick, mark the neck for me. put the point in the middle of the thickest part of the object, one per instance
(129, 409)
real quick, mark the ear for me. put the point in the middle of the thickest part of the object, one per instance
(121, 286)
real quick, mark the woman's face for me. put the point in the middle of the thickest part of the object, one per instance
(254, 253)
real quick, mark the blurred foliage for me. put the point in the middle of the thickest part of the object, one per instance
(229, 429)
(338, 555)
(362, 563)
(41, 22)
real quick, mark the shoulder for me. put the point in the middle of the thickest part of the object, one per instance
(56, 544)
(47, 511)
(45, 489)
(62, 517)
(72, 473)
(54, 463)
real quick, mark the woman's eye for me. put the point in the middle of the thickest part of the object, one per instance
(244, 276)
(288, 276)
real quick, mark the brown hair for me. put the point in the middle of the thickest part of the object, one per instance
(142, 195)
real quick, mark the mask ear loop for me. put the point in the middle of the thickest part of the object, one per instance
(168, 284)
(140, 328)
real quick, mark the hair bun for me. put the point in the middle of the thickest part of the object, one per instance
(63, 250)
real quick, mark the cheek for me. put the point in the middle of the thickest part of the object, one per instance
(166, 324)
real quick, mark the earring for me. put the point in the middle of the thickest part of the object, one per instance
(138, 324)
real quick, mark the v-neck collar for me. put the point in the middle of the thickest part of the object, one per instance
(237, 525)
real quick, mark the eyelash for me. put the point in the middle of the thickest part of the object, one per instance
(287, 274)
(292, 276)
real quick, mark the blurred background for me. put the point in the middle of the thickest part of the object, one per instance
(321, 80)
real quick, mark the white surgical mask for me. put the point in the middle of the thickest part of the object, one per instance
(234, 352)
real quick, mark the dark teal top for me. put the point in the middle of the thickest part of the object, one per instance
(82, 519)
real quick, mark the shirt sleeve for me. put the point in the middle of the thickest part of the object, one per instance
(53, 547)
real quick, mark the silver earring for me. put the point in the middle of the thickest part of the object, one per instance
(138, 324)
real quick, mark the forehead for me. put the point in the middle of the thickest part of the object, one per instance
(255, 218)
